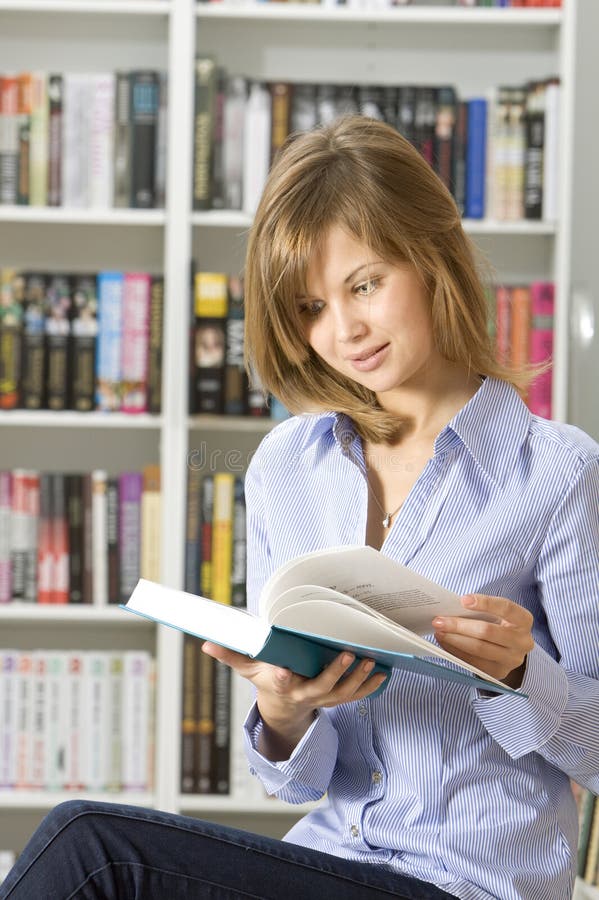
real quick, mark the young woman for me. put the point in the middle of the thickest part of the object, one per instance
(367, 317)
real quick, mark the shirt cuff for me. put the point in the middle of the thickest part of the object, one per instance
(311, 763)
(520, 724)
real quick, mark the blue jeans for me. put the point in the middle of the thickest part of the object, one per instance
(105, 851)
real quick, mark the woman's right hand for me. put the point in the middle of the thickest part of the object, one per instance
(287, 702)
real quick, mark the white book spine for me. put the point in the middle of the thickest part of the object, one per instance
(38, 140)
(256, 145)
(101, 140)
(24, 721)
(55, 721)
(74, 703)
(75, 140)
(9, 660)
(136, 720)
(115, 716)
(96, 730)
(99, 538)
(244, 785)
(233, 140)
(551, 151)
(38, 724)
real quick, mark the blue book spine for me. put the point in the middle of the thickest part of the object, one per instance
(476, 159)
(108, 358)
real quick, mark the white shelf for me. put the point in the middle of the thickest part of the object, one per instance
(584, 891)
(107, 7)
(247, 424)
(44, 418)
(524, 227)
(43, 800)
(57, 215)
(69, 613)
(230, 804)
(410, 15)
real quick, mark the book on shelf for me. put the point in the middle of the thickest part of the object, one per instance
(210, 302)
(385, 618)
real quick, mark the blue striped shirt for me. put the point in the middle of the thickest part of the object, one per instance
(465, 791)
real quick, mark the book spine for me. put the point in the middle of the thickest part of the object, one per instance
(130, 490)
(115, 716)
(444, 139)
(5, 533)
(204, 114)
(33, 376)
(235, 100)
(135, 721)
(550, 201)
(25, 96)
(189, 714)
(122, 140)
(108, 360)
(24, 721)
(193, 535)
(55, 721)
(112, 539)
(11, 327)
(38, 141)
(205, 666)
(100, 171)
(8, 718)
(257, 399)
(84, 334)
(58, 330)
(32, 500)
(96, 744)
(161, 141)
(74, 490)
(60, 540)
(19, 547)
(151, 517)
(217, 175)
(55, 113)
(503, 305)
(520, 327)
(99, 544)
(210, 302)
(280, 124)
(541, 346)
(221, 779)
(134, 342)
(38, 720)
(235, 378)
(256, 145)
(75, 721)
(476, 159)
(88, 538)
(144, 123)
(535, 141)
(425, 115)
(9, 139)
(155, 339)
(222, 536)
(77, 92)
(516, 148)
(239, 561)
(45, 555)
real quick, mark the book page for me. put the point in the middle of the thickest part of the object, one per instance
(372, 579)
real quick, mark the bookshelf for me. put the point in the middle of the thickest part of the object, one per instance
(468, 47)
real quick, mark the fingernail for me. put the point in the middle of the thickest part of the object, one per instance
(346, 659)
(468, 601)
(438, 623)
(367, 666)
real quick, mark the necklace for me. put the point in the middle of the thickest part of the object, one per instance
(387, 516)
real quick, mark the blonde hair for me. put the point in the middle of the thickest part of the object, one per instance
(362, 175)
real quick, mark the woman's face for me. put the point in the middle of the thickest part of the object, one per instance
(369, 319)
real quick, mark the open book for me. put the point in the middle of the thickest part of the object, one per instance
(316, 606)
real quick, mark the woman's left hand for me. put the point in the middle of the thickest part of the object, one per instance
(498, 648)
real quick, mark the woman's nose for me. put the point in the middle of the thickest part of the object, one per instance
(348, 326)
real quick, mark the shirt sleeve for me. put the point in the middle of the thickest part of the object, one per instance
(305, 776)
(559, 718)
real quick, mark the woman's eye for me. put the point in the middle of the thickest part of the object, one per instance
(367, 287)
(311, 309)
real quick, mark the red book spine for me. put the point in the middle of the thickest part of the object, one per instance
(541, 345)
(45, 556)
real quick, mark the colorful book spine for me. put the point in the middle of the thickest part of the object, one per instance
(151, 518)
(84, 335)
(20, 534)
(210, 313)
(38, 140)
(476, 159)
(134, 342)
(45, 550)
(11, 324)
(155, 340)
(58, 330)
(235, 386)
(112, 539)
(99, 479)
(542, 303)
(33, 372)
(55, 130)
(130, 492)
(60, 539)
(5, 536)
(109, 355)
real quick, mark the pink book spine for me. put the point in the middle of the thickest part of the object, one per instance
(134, 347)
(541, 345)
(5, 517)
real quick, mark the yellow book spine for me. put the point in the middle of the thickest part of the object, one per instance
(151, 531)
(222, 536)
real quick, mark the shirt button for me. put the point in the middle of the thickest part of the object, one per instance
(355, 831)
(362, 710)
(377, 777)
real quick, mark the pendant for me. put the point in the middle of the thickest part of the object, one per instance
(387, 520)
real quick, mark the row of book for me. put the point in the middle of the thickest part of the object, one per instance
(76, 720)
(81, 341)
(81, 538)
(521, 319)
(83, 140)
(588, 841)
(498, 153)
(215, 562)
(218, 382)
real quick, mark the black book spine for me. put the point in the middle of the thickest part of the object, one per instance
(84, 336)
(155, 344)
(74, 490)
(145, 92)
(112, 539)
(58, 328)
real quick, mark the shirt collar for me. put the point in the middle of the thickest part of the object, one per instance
(492, 426)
